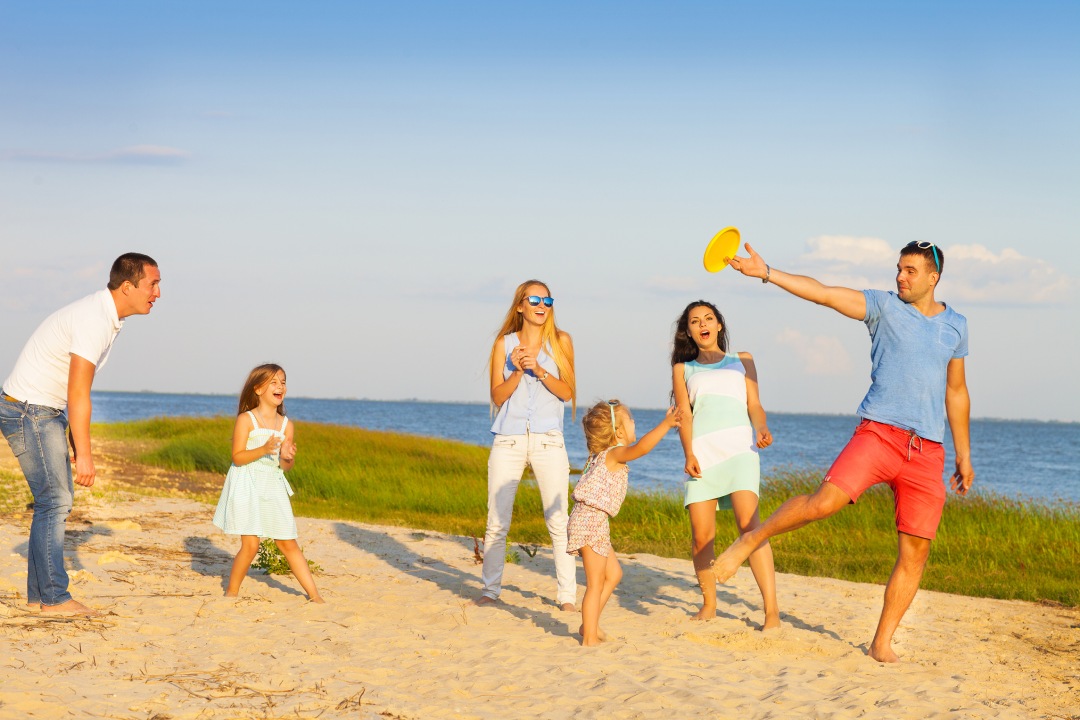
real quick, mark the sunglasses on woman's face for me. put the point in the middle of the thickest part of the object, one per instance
(535, 300)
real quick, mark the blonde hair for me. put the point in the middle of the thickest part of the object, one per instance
(597, 423)
(549, 339)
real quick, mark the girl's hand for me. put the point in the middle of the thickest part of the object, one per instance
(288, 451)
(673, 418)
(692, 468)
(272, 444)
(764, 437)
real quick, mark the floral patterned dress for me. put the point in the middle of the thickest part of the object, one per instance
(598, 496)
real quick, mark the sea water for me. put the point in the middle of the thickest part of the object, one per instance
(1020, 459)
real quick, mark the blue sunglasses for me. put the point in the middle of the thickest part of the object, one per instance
(535, 300)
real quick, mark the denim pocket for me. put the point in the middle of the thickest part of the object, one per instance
(502, 441)
(12, 428)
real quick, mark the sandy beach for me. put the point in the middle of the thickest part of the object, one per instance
(399, 637)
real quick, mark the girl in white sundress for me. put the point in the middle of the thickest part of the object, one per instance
(610, 437)
(255, 500)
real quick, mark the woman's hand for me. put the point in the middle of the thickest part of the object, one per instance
(692, 468)
(528, 362)
(764, 437)
(516, 357)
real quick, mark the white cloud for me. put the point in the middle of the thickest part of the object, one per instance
(819, 355)
(973, 273)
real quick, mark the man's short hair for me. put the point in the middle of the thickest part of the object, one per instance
(129, 267)
(935, 258)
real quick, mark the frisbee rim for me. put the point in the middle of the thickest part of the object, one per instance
(731, 248)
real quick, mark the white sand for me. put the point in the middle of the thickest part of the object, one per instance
(400, 639)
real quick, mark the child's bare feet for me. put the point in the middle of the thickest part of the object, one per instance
(71, 608)
(707, 612)
(600, 634)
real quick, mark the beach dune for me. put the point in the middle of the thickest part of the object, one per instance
(399, 637)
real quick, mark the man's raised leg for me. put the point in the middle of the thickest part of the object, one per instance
(899, 592)
(793, 514)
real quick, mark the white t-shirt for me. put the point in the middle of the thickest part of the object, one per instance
(85, 328)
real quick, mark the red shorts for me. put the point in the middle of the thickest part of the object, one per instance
(913, 468)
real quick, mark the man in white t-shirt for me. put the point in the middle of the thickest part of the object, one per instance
(47, 396)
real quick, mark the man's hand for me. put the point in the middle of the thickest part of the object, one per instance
(753, 266)
(963, 477)
(84, 470)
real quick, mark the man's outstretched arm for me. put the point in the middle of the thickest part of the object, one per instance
(841, 299)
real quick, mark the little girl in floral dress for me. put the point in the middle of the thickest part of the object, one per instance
(610, 437)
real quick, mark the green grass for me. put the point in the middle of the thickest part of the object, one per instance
(987, 546)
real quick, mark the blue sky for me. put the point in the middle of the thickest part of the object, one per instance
(353, 190)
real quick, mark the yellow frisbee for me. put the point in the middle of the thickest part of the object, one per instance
(723, 245)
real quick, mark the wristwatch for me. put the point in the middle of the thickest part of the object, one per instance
(543, 377)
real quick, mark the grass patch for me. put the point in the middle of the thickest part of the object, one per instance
(988, 546)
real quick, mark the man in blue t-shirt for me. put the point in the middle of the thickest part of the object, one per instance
(917, 349)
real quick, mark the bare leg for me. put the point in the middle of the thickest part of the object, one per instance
(249, 547)
(598, 587)
(899, 592)
(291, 550)
(745, 506)
(798, 511)
(703, 536)
(612, 578)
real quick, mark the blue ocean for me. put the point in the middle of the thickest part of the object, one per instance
(1026, 460)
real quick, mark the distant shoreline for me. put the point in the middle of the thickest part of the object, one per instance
(483, 404)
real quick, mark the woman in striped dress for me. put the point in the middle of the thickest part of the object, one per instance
(718, 388)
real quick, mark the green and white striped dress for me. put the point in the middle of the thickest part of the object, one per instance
(723, 438)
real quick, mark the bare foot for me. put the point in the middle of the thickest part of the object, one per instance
(484, 600)
(317, 599)
(568, 607)
(71, 608)
(731, 560)
(707, 612)
(590, 643)
(600, 634)
(33, 607)
(883, 655)
(772, 622)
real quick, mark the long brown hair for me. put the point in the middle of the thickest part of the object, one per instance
(683, 347)
(258, 377)
(549, 338)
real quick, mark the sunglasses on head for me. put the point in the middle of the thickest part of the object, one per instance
(535, 300)
(927, 246)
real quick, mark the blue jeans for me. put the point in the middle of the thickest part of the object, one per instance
(38, 437)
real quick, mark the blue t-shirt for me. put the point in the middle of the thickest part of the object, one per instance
(910, 353)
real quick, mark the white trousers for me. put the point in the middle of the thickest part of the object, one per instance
(546, 454)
